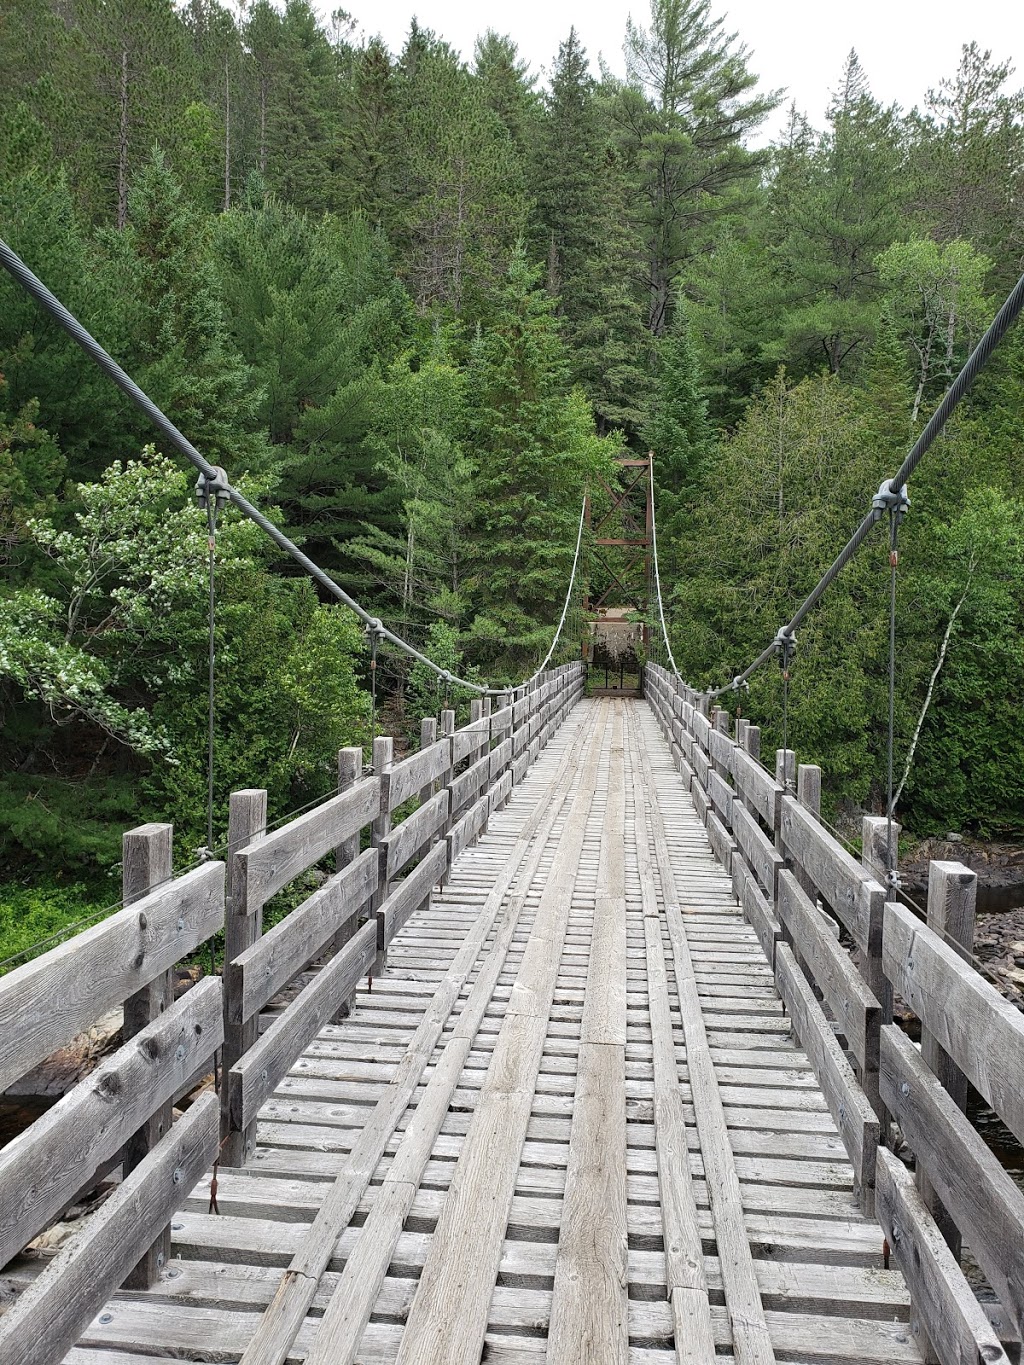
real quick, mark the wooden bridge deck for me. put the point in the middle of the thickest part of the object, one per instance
(499, 1124)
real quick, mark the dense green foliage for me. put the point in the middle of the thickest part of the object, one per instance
(414, 304)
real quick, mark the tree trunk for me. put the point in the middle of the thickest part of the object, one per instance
(227, 136)
(928, 695)
(263, 127)
(122, 145)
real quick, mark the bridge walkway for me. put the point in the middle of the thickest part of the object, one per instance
(500, 1122)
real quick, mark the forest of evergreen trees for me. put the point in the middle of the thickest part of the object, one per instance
(412, 304)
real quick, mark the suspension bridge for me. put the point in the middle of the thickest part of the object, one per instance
(590, 1058)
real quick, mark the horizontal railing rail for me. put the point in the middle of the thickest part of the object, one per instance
(840, 952)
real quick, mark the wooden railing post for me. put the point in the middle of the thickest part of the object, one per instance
(752, 741)
(785, 768)
(808, 793)
(247, 820)
(428, 736)
(875, 846)
(350, 770)
(952, 902)
(383, 755)
(146, 862)
(874, 857)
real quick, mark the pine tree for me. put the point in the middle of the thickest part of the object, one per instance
(296, 104)
(836, 211)
(681, 119)
(467, 204)
(508, 87)
(534, 446)
(177, 345)
(967, 161)
(677, 427)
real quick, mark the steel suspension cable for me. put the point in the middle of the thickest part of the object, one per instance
(51, 305)
(891, 492)
(657, 576)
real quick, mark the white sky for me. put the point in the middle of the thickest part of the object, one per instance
(905, 46)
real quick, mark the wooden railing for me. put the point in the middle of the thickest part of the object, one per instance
(839, 951)
(121, 1113)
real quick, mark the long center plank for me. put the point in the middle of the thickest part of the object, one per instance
(686, 1283)
(448, 1318)
(589, 1307)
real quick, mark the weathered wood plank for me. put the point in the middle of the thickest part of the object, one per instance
(847, 1103)
(500, 792)
(944, 1303)
(47, 1319)
(758, 788)
(147, 861)
(284, 950)
(720, 750)
(857, 1012)
(465, 830)
(701, 765)
(970, 1020)
(405, 841)
(46, 1002)
(856, 898)
(757, 849)
(980, 1196)
(469, 738)
(44, 1167)
(721, 794)
(589, 1305)
(410, 893)
(722, 845)
(406, 779)
(499, 759)
(761, 918)
(261, 869)
(466, 786)
(256, 1075)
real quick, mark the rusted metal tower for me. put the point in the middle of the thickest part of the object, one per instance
(620, 581)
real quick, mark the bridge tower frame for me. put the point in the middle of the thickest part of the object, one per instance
(627, 524)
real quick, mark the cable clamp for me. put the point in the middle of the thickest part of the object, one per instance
(893, 881)
(889, 499)
(219, 486)
(739, 684)
(785, 643)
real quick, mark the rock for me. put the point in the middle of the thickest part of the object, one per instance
(56, 1075)
(954, 838)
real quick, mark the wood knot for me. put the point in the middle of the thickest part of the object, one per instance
(108, 1087)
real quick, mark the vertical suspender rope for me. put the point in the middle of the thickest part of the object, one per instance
(211, 543)
(891, 855)
(372, 632)
(211, 495)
